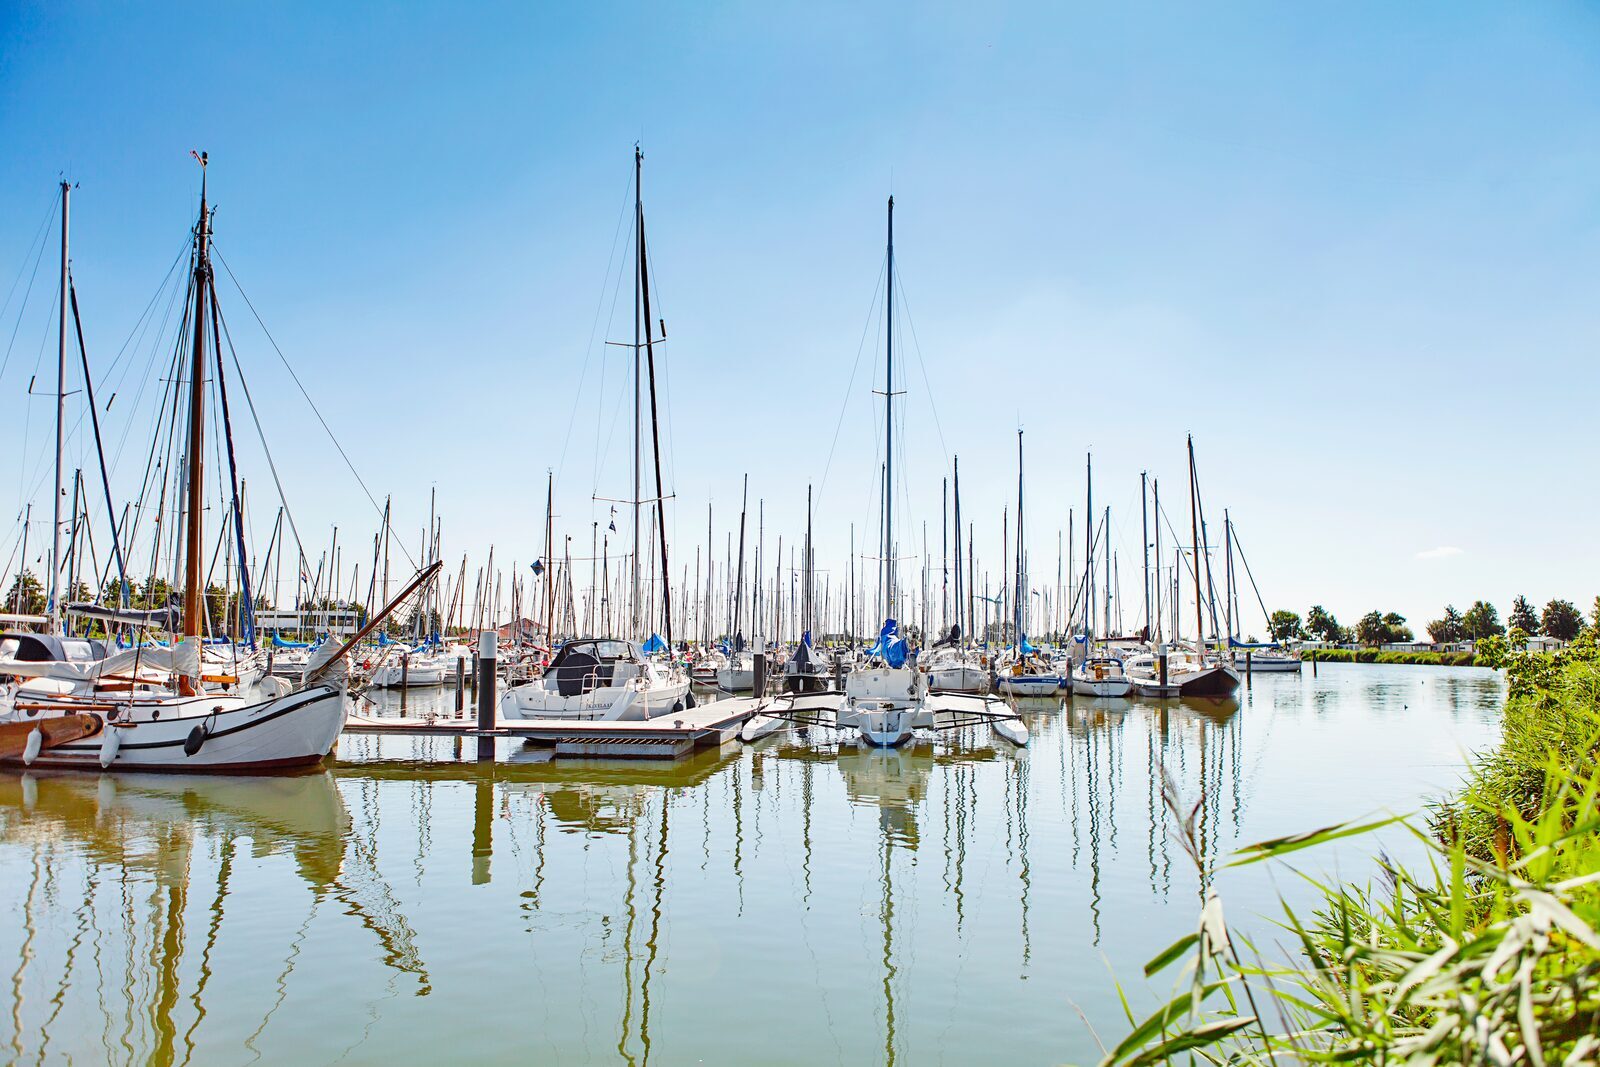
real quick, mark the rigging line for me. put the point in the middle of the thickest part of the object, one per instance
(850, 386)
(905, 313)
(132, 406)
(37, 259)
(1240, 549)
(272, 466)
(140, 325)
(594, 326)
(600, 455)
(314, 410)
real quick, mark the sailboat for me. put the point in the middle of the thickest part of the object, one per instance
(610, 679)
(1022, 670)
(113, 717)
(953, 665)
(1095, 675)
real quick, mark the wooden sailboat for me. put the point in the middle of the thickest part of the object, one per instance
(181, 727)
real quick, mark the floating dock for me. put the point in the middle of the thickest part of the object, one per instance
(673, 735)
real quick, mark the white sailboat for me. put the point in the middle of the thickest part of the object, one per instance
(608, 678)
(112, 714)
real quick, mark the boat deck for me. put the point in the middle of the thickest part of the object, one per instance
(670, 736)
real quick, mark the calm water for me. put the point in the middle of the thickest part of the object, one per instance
(798, 902)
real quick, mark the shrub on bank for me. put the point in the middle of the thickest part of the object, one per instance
(1373, 655)
(1487, 954)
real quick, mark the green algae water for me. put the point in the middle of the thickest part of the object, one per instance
(800, 901)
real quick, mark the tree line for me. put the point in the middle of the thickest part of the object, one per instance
(1560, 619)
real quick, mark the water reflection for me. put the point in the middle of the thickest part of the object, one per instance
(411, 903)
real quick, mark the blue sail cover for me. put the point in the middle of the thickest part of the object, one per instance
(1234, 643)
(1027, 649)
(654, 645)
(805, 639)
(278, 642)
(891, 647)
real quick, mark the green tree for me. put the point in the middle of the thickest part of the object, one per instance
(1594, 615)
(1482, 620)
(1395, 628)
(26, 595)
(1561, 620)
(1321, 623)
(1448, 629)
(1523, 616)
(1284, 625)
(1370, 629)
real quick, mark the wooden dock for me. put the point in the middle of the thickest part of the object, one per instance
(670, 736)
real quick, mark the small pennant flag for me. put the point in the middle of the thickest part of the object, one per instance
(538, 566)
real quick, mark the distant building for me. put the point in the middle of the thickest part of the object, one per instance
(1410, 646)
(1541, 643)
(269, 620)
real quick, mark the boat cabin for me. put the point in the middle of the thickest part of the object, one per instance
(588, 664)
(50, 648)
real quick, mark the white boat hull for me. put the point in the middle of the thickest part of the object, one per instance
(1100, 687)
(1028, 685)
(603, 704)
(297, 730)
(959, 679)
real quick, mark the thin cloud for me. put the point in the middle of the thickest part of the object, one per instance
(1442, 552)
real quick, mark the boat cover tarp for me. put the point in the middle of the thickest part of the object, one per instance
(163, 619)
(891, 647)
(1235, 643)
(278, 642)
(654, 645)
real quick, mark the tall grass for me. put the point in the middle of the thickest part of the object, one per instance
(1484, 953)
(1374, 655)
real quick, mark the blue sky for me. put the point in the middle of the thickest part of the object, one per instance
(1351, 248)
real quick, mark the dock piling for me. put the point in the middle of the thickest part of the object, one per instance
(461, 684)
(760, 674)
(487, 654)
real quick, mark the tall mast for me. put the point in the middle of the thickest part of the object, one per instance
(638, 296)
(655, 433)
(1144, 541)
(1020, 593)
(944, 554)
(961, 619)
(1194, 530)
(888, 430)
(1088, 552)
(54, 603)
(194, 593)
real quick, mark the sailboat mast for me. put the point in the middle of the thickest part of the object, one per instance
(1144, 541)
(1194, 530)
(61, 416)
(638, 286)
(193, 592)
(1020, 593)
(888, 430)
(961, 619)
(655, 433)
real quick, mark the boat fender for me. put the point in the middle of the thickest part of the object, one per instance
(197, 738)
(30, 751)
(109, 746)
(688, 700)
(677, 706)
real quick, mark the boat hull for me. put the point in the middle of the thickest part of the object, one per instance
(605, 704)
(1101, 687)
(959, 680)
(1220, 680)
(1028, 685)
(297, 730)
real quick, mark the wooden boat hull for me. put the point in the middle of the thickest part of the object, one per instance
(297, 730)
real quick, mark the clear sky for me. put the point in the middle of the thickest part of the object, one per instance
(1350, 247)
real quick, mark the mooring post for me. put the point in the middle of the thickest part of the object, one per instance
(405, 678)
(487, 653)
(461, 684)
(1161, 667)
(760, 674)
(838, 670)
(1313, 663)
(1247, 655)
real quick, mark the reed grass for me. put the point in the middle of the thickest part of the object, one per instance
(1485, 952)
